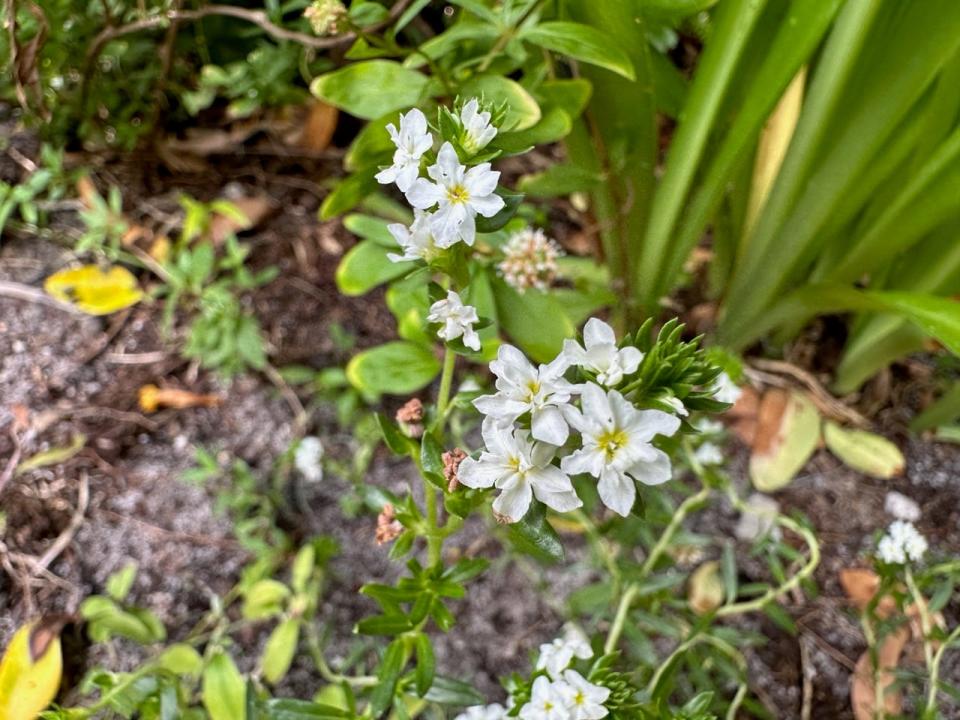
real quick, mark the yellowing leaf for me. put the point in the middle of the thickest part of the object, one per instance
(94, 291)
(705, 591)
(867, 452)
(53, 456)
(788, 431)
(31, 669)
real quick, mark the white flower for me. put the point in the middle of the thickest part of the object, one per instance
(529, 260)
(496, 711)
(307, 458)
(412, 141)
(521, 469)
(676, 403)
(616, 445)
(459, 195)
(758, 518)
(709, 454)
(901, 543)
(709, 427)
(584, 699)
(477, 128)
(416, 241)
(456, 319)
(522, 388)
(546, 702)
(601, 354)
(556, 656)
(725, 389)
(901, 507)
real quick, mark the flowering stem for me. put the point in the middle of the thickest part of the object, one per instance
(436, 534)
(931, 706)
(927, 627)
(675, 522)
(446, 381)
(620, 619)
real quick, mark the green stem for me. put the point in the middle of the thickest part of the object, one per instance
(446, 382)
(316, 652)
(675, 522)
(930, 710)
(620, 619)
(602, 549)
(926, 625)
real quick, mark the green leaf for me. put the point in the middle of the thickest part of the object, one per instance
(280, 649)
(395, 368)
(264, 599)
(522, 110)
(534, 536)
(120, 582)
(794, 435)
(384, 625)
(370, 228)
(371, 89)
(448, 691)
(572, 95)
(365, 267)
(581, 42)
(288, 709)
(555, 125)
(398, 443)
(224, 690)
(348, 193)
(181, 659)
(535, 321)
(558, 180)
(864, 451)
(393, 660)
(492, 224)
(426, 664)
(431, 460)
(303, 566)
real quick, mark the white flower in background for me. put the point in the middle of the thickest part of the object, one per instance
(459, 195)
(901, 543)
(547, 702)
(416, 241)
(523, 388)
(901, 507)
(601, 354)
(456, 320)
(584, 699)
(709, 427)
(529, 260)
(478, 131)
(521, 469)
(307, 458)
(676, 403)
(709, 454)
(412, 141)
(616, 445)
(556, 656)
(725, 389)
(758, 518)
(496, 711)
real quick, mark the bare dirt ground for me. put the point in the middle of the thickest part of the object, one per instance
(66, 375)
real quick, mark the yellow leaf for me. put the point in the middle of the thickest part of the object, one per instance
(94, 291)
(53, 456)
(705, 589)
(31, 669)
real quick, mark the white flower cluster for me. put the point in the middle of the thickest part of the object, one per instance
(530, 260)
(450, 200)
(308, 458)
(615, 436)
(456, 320)
(902, 542)
(561, 694)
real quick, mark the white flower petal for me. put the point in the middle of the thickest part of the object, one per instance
(423, 194)
(478, 474)
(653, 472)
(549, 426)
(617, 492)
(514, 501)
(597, 332)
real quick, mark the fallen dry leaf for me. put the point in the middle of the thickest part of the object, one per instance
(705, 589)
(255, 208)
(861, 585)
(743, 415)
(318, 126)
(153, 398)
(862, 687)
(788, 431)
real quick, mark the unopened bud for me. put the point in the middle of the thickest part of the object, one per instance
(410, 418)
(388, 527)
(326, 17)
(451, 464)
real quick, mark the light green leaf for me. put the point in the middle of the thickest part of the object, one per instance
(371, 89)
(224, 690)
(279, 651)
(396, 368)
(535, 321)
(365, 267)
(120, 582)
(864, 451)
(558, 180)
(181, 659)
(793, 435)
(264, 599)
(581, 42)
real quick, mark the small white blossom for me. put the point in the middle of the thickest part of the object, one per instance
(529, 260)
(676, 403)
(902, 542)
(601, 354)
(412, 141)
(523, 388)
(546, 702)
(758, 518)
(459, 195)
(725, 389)
(584, 699)
(478, 131)
(556, 656)
(709, 427)
(521, 469)
(456, 320)
(496, 711)
(709, 454)
(901, 507)
(616, 445)
(307, 459)
(416, 241)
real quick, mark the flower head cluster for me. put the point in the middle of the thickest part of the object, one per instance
(530, 260)
(456, 320)
(326, 16)
(496, 711)
(529, 420)
(453, 196)
(308, 457)
(902, 542)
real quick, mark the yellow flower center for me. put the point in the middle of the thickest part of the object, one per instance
(548, 705)
(533, 387)
(579, 698)
(457, 194)
(610, 441)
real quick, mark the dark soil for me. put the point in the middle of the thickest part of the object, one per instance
(67, 375)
